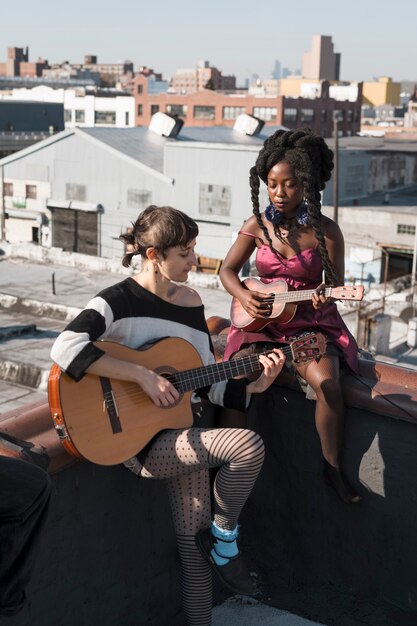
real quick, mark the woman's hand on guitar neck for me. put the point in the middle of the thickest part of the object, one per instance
(272, 364)
(318, 298)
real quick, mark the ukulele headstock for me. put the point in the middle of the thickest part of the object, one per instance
(348, 292)
(308, 347)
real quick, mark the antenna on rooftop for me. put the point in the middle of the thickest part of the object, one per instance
(165, 125)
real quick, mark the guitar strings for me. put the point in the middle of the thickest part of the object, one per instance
(305, 294)
(189, 380)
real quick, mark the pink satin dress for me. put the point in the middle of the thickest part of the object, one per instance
(302, 271)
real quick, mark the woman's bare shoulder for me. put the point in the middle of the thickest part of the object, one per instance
(331, 229)
(186, 296)
(251, 226)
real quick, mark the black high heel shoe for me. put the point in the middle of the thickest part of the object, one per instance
(335, 479)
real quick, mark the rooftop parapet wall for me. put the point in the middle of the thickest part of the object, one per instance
(109, 550)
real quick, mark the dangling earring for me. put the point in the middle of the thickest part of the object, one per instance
(155, 268)
(273, 215)
(302, 214)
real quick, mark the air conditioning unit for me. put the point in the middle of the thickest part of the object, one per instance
(248, 124)
(165, 125)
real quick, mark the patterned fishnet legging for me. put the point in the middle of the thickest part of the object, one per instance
(183, 458)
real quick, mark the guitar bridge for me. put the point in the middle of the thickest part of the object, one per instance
(110, 406)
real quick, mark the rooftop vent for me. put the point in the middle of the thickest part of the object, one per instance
(165, 125)
(248, 124)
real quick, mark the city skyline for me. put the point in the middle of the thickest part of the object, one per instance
(233, 36)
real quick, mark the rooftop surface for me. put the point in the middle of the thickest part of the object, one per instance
(26, 347)
(30, 285)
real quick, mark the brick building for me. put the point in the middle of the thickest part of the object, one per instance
(18, 64)
(202, 77)
(221, 108)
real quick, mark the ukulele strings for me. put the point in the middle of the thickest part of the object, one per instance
(293, 296)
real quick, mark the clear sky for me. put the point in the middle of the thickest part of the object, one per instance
(239, 37)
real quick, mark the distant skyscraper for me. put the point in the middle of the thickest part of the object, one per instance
(321, 63)
(276, 72)
(285, 72)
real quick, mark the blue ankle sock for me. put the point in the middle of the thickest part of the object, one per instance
(225, 546)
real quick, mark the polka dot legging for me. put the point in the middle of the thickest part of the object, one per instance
(183, 458)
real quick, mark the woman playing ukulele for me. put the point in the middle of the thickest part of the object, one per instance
(296, 243)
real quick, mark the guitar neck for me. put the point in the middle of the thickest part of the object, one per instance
(203, 376)
(299, 296)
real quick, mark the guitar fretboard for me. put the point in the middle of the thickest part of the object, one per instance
(297, 296)
(216, 372)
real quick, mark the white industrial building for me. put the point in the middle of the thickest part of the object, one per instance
(79, 189)
(81, 108)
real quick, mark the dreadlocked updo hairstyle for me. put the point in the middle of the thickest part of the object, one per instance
(312, 162)
(159, 227)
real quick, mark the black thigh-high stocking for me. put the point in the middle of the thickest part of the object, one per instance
(183, 457)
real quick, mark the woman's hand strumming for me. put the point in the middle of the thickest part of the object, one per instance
(159, 389)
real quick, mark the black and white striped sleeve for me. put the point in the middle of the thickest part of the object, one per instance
(74, 350)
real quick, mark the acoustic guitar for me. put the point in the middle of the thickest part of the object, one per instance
(281, 300)
(107, 421)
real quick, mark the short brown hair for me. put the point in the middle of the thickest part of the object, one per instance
(159, 227)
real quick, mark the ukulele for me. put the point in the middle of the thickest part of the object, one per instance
(107, 421)
(281, 300)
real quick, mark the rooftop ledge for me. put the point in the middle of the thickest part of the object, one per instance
(381, 388)
(318, 557)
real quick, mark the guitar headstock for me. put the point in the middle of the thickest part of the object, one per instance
(348, 292)
(308, 347)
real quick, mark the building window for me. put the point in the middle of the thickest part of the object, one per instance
(18, 202)
(204, 113)
(31, 192)
(73, 191)
(232, 113)
(140, 109)
(339, 114)
(8, 189)
(355, 184)
(267, 114)
(307, 115)
(178, 110)
(127, 118)
(323, 115)
(79, 116)
(290, 114)
(154, 108)
(138, 198)
(349, 116)
(406, 229)
(140, 88)
(214, 199)
(67, 115)
(105, 117)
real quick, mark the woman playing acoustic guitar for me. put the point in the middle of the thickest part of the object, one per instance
(142, 309)
(296, 243)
